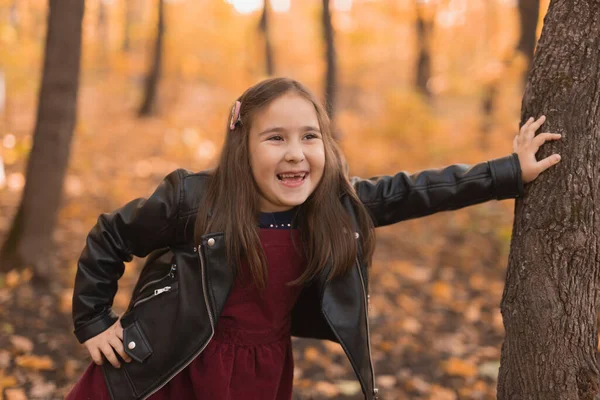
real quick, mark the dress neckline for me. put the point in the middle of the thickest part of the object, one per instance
(278, 220)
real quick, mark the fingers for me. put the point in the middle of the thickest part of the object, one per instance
(536, 125)
(117, 344)
(531, 126)
(548, 162)
(542, 138)
(109, 353)
(119, 331)
(96, 356)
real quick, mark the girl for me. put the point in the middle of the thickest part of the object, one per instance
(272, 243)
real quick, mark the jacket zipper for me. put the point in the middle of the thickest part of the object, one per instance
(362, 281)
(212, 327)
(170, 274)
(157, 292)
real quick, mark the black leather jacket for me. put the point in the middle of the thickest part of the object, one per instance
(182, 288)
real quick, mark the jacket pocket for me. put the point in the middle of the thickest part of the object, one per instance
(157, 292)
(152, 282)
(135, 342)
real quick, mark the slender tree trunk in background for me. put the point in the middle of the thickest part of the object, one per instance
(424, 31)
(29, 239)
(149, 104)
(490, 90)
(13, 17)
(550, 301)
(330, 57)
(3, 116)
(264, 27)
(529, 13)
(126, 46)
(103, 62)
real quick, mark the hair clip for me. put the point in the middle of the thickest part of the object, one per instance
(235, 115)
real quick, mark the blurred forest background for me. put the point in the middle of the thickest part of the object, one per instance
(411, 84)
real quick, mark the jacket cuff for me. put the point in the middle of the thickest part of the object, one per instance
(507, 177)
(95, 326)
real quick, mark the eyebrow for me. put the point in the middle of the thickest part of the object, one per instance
(280, 129)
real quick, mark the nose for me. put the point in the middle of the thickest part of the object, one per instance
(294, 153)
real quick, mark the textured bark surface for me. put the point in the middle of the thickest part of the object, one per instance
(29, 240)
(550, 300)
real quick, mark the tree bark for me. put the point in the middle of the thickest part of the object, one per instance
(550, 300)
(529, 12)
(264, 27)
(29, 240)
(330, 58)
(149, 104)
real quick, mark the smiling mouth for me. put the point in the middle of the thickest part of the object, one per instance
(292, 177)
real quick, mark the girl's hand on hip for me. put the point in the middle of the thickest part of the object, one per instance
(107, 343)
(526, 144)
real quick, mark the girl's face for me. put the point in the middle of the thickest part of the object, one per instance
(286, 152)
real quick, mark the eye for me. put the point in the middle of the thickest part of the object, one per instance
(312, 136)
(276, 137)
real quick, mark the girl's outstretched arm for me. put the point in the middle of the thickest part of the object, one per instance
(403, 196)
(135, 229)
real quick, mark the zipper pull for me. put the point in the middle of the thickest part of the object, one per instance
(162, 290)
(172, 271)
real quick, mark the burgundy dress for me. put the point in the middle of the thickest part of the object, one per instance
(250, 355)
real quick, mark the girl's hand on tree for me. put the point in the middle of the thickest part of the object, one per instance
(526, 144)
(107, 343)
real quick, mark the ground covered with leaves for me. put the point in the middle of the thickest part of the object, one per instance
(436, 283)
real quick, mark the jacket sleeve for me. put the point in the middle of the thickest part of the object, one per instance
(391, 199)
(135, 229)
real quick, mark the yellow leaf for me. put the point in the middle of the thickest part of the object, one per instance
(311, 354)
(35, 362)
(15, 394)
(441, 291)
(442, 393)
(7, 381)
(12, 278)
(328, 389)
(458, 367)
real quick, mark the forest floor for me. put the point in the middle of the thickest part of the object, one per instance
(436, 283)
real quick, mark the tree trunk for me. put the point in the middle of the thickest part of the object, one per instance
(330, 57)
(29, 240)
(149, 104)
(14, 17)
(424, 32)
(126, 46)
(490, 87)
(103, 33)
(551, 296)
(529, 12)
(264, 28)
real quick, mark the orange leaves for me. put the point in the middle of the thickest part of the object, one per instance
(14, 278)
(36, 363)
(21, 344)
(441, 292)
(409, 271)
(459, 367)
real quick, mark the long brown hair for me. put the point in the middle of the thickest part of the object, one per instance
(231, 202)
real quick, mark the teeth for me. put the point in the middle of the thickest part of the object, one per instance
(282, 176)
